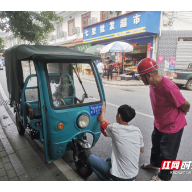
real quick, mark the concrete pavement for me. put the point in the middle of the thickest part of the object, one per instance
(11, 169)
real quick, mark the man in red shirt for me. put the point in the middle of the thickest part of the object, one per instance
(169, 109)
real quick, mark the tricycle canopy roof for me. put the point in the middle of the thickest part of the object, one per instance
(15, 54)
(21, 52)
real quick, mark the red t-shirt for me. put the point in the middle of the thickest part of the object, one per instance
(166, 99)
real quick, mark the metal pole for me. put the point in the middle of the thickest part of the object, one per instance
(122, 64)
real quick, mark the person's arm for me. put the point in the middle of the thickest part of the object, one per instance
(102, 115)
(185, 107)
(142, 149)
(103, 123)
(178, 100)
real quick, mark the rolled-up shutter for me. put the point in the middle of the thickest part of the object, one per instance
(183, 54)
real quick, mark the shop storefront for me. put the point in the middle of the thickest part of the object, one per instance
(78, 44)
(138, 28)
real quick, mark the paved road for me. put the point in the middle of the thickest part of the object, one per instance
(138, 98)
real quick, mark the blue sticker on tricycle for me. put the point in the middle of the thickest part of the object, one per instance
(95, 110)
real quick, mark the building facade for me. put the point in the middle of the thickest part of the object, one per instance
(175, 40)
(139, 28)
(164, 36)
(70, 32)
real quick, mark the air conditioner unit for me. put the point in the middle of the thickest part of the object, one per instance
(165, 22)
(105, 15)
(51, 38)
(54, 37)
(75, 30)
(114, 14)
(92, 20)
(89, 21)
(63, 34)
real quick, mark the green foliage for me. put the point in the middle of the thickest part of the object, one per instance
(32, 26)
(118, 12)
(2, 45)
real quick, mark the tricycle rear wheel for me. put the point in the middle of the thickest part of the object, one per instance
(20, 128)
(82, 166)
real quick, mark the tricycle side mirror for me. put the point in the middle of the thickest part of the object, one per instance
(29, 108)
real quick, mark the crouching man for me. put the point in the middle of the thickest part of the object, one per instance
(127, 143)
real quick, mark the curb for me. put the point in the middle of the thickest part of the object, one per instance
(116, 84)
(11, 167)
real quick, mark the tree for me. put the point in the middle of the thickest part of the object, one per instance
(118, 12)
(32, 26)
(2, 45)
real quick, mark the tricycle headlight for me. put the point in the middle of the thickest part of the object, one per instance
(83, 121)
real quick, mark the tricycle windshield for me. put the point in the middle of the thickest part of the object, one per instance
(68, 86)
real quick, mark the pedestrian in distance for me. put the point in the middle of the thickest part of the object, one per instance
(169, 109)
(109, 68)
(100, 67)
(127, 143)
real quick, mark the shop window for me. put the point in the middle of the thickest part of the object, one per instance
(71, 24)
(84, 19)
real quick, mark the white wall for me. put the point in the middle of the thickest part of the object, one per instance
(73, 15)
(77, 16)
(179, 20)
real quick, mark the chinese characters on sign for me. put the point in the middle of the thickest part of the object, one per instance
(95, 110)
(86, 33)
(102, 28)
(84, 47)
(122, 24)
(94, 31)
(112, 25)
(136, 19)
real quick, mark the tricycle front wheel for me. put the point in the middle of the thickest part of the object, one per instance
(20, 128)
(81, 164)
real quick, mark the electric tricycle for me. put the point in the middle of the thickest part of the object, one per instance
(53, 102)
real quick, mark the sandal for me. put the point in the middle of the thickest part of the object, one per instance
(156, 178)
(148, 166)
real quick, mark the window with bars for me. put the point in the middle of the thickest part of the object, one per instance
(84, 19)
(108, 14)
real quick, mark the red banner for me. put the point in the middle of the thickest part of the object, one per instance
(118, 58)
(134, 44)
(148, 50)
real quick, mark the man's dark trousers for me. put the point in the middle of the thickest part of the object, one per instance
(164, 147)
(109, 72)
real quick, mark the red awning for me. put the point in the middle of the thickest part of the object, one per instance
(77, 41)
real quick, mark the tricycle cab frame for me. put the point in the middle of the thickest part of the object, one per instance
(43, 116)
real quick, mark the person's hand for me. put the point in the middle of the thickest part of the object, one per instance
(103, 109)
